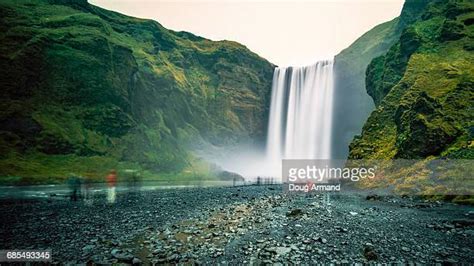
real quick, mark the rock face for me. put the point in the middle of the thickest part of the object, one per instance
(422, 88)
(352, 103)
(86, 87)
(418, 136)
(423, 92)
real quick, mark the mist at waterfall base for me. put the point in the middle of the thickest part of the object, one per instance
(299, 126)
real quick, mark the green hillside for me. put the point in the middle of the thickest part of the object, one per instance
(423, 91)
(352, 104)
(85, 90)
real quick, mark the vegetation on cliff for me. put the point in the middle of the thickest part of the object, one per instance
(352, 104)
(423, 91)
(84, 90)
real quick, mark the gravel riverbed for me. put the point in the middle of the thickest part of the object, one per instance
(234, 225)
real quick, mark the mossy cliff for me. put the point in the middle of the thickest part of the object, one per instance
(423, 89)
(84, 89)
(352, 104)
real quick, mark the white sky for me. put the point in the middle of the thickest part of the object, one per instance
(286, 32)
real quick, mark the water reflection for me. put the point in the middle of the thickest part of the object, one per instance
(84, 189)
(87, 195)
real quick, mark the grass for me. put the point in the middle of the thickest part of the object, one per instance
(51, 169)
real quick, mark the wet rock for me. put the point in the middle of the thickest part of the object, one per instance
(295, 213)
(281, 251)
(321, 240)
(450, 262)
(449, 226)
(211, 225)
(88, 248)
(173, 257)
(373, 197)
(463, 222)
(98, 260)
(121, 255)
(369, 252)
(342, 229)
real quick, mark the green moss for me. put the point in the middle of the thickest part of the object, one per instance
(423, 91)
(83, 82)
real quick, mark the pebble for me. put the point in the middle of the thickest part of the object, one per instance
(262, 230)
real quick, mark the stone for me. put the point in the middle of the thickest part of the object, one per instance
(121, 255)
(173, 257)
(369, 252)
(281, 251)
(294, 213)
(321, 240)
(211, 225)
(373, 197)
(88, 248)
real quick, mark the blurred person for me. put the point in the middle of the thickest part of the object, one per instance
(111, 183)
(127, 178)
(86, 190)
(132, 178)
(74, 183)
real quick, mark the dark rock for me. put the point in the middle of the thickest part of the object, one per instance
(369, 252)
(463, 222)
(211, 225)
(373, 197)
(321, 240)
(295, 213)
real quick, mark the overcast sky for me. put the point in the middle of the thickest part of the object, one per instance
(286, 32)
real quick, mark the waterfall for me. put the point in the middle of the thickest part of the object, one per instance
(300, 119)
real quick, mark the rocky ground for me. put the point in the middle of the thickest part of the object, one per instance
(234, 225)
